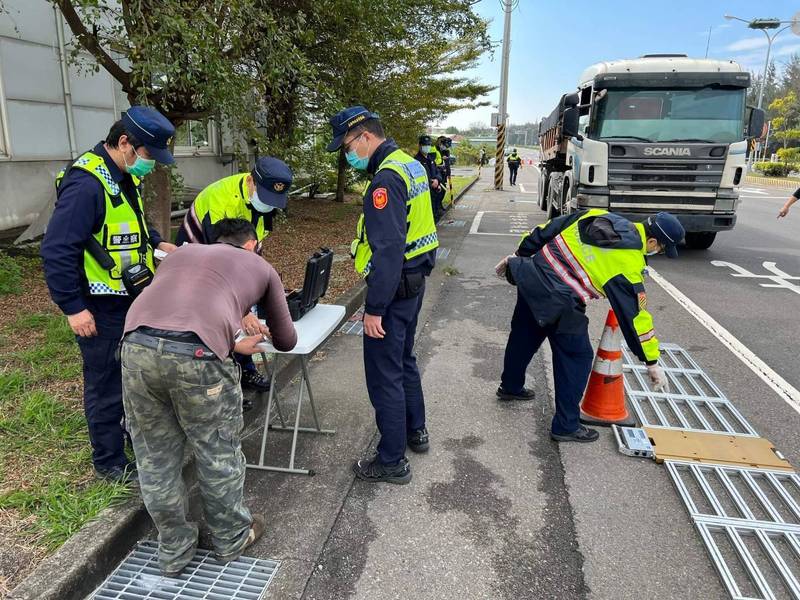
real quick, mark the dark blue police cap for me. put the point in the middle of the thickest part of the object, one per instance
(669, 232)
(344, 121)
(425, 140)
(152, 129)
(273, 178)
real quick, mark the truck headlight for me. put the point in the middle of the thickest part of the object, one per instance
(724, 204)
(592, 201)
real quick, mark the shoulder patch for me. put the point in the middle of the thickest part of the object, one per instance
(380, 198)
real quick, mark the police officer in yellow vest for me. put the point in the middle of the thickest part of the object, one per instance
(98, 253)
(395, 250)
(252, 196)
(557, 269)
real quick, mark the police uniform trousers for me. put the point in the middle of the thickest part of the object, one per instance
(512, 174)
(102, 389)
(393, 380)
(172, 401)
(572, 363)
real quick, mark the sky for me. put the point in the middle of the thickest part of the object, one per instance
(553, 41)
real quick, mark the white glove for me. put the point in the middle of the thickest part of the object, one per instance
(500, 268)
(658, 378)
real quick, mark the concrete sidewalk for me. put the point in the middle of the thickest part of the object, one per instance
(486, 515)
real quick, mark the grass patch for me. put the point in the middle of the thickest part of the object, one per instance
(450, 271)
(11, 275)
(460, 182)
(46, 475)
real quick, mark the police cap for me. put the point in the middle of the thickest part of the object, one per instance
(152, 129)
(273, 178)
(425, 140)
(669, 232)
(344, 121)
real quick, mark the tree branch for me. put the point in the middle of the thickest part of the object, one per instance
(91, 44)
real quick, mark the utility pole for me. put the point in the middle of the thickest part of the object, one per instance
(503, 107)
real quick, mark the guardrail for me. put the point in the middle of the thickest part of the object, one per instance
(787, 184)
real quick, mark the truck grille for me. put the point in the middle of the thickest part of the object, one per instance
(688, 183)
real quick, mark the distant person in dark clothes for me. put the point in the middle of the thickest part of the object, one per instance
(514, 161)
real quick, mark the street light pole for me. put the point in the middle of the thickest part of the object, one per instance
(763, 25)
(503, 106)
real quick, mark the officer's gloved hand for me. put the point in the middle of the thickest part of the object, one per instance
(658, 378)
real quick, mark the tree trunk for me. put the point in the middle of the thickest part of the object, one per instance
(341, 177)
(158, 203)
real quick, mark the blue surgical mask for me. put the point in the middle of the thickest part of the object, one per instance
(426, 149)
(354, 160)
(259, 205)
(141, 166)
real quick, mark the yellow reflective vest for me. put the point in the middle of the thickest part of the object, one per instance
(228, 198)
(123, 235)
(421, 236)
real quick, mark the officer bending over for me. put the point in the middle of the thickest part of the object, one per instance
(252, 196)
(395, 250)
(180, 386)
(97, 252)
(557, 268)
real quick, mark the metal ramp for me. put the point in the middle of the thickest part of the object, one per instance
(138, 578)
(749, 520)
(694, 403)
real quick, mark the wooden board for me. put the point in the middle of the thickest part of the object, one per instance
(676, 444)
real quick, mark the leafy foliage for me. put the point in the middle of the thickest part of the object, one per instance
(776, 169)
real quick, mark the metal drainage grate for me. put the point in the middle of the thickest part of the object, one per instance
(355, 324)
(454, 224)
(462, 206)
(694, 403)
(749, 520)
(442, 253)
(138, 578)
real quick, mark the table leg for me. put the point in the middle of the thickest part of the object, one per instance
(273, 385)
(271, 374)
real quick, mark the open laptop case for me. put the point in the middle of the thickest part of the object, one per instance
(315, 284)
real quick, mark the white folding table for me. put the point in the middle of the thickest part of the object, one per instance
(312, 329)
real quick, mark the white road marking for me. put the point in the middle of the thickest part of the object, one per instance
(524, 201)
(779, 278)
(783, 388)
(476, 223)
(753, 191)
(524, 191)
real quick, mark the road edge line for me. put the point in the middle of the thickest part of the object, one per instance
(783, 388)
(476, 222)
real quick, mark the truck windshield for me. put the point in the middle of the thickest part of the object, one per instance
(664, 115)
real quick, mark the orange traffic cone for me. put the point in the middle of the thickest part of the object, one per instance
(604, 400)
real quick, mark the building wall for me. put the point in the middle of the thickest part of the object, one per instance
(35, 138)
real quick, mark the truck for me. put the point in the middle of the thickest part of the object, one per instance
(663, 132)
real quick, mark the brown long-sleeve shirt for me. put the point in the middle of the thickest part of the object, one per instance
(208, 290)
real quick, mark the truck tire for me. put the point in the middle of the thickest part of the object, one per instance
(553, 208)
(544, 185)
(700, 240)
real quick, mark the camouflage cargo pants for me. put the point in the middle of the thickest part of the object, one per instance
(170, 401)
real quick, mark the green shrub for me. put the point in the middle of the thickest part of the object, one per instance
(789, 155)
(10, 275)
(776, 169)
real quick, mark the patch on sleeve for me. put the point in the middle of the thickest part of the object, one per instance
(642, 301)
(380, 198)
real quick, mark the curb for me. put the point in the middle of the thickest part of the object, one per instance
(80, 565)
(778, 182)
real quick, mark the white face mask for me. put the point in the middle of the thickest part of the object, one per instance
(425, 149)
(259, 205)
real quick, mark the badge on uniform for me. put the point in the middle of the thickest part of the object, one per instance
(380, 198)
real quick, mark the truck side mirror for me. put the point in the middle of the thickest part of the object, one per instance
(569, 127)
(756, 122)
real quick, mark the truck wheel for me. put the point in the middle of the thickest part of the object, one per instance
(544, 185)
(553, 208)
(700, 240)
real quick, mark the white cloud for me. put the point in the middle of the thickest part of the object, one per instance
(787, 50)
(750, 43)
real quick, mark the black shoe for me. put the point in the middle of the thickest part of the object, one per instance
(525, 394)
(582, 434)
(418, 440)
(121, 474)
(253, 380)
(374, 471)
(247, 405)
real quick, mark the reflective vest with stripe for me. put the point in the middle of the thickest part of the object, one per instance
(586, 269)
(227, 198)
(421, 236)
(123, 233)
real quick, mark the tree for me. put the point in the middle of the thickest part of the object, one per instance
(786, 122)
(191, 59)
(771, 89)
(451, 130)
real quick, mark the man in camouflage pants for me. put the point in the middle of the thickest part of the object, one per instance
(181, 386)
